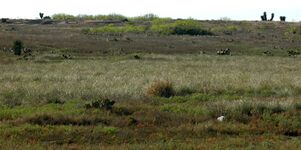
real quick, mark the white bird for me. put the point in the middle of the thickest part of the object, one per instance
(221, 118)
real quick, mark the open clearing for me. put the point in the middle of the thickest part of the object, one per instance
(59, 102)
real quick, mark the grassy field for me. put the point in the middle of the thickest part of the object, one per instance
(151, 91)
(43, 103)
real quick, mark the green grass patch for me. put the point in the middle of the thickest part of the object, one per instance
(116, 29)
(179, 27)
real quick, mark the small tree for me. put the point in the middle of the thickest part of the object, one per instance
(17, 47)
(41, 15)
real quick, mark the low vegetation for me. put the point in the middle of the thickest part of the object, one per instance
(161, 88)
(62, 16)
(149, 83)
(41, 105)
(164, 26)
(116, 29)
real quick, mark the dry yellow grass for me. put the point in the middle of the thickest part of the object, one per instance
(128, 78)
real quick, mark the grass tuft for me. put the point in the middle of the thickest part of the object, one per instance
(161, 88)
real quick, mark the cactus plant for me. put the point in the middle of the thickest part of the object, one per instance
(282, 18)
(272, 17)
(264, 17)
(41, 15)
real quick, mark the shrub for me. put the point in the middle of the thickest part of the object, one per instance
(162, 26)
(63, 16)
(189, 27)
(165, 29)
(180, 27)
(161, 88)
(4, 20)
(103, 17)
(47, 17)
(111, 17)
(54, 97)
(17, 47)
(146, 17)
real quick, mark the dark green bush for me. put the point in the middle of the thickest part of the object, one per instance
(180, 27)
(189, 27)
(17, 47)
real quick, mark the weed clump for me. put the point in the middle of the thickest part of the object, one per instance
(161, 88)
(102, 104)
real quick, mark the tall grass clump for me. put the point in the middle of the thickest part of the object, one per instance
(161, 88)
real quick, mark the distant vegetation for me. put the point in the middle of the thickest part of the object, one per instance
(62, 16)
(179, 27)
(111, 28)
(165, 26)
